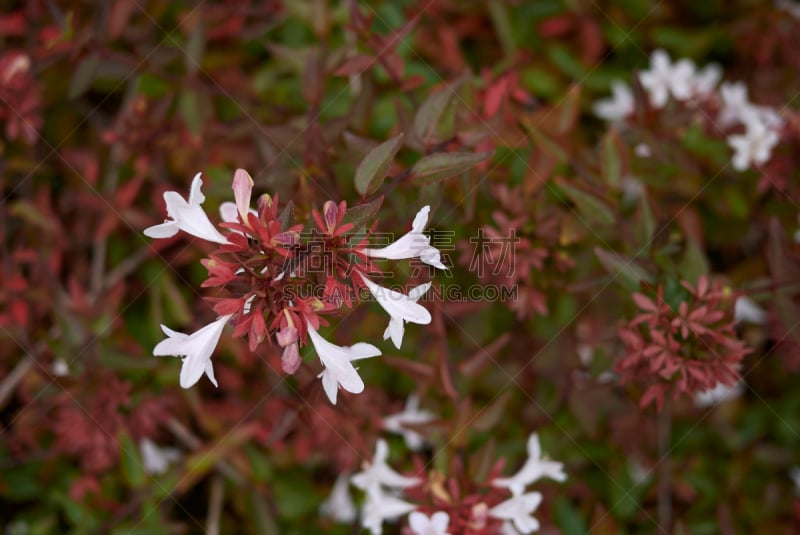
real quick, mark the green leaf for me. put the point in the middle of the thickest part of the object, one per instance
(130, 462)
(85, 74)
(568, 518)
(645, 227)
(436, 167)
(287, 216)
(371, 172)
(590, 207)
(431, 114)
(612, 159)
(694, 263)
(195, 46)
(359, 215)
(624, 270)
(544, 143)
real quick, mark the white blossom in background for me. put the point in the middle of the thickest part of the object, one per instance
(719, 394)
(665, 78)
(382, 485)
(704, 82)
(339, 505)
(518, 510)
(381, 506)
(413, 244)
(436, 524)
(618, 106)
(734, 102)
(155, 459)
(196, 348)
(59, 368)
(535, 468)
(411, 414)
(187, 216)
(337, 360)
(746, 310)
(790, 6)
(401, 308)
(642, 150)
(754, 147)
(794, 473)
(378, 474)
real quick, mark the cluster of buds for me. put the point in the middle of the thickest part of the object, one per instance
(440, 504)
(282, 279)
(683, 349)
(726, 105)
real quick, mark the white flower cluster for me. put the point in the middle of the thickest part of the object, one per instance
(383, 487)
(684, 82)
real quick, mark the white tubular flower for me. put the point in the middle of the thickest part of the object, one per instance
(156, 459)
(746, 310)
(186, 216)
(734, 102)
(400, 307)
(378, 473)
(413, 244)
(519, 511)
(619, 106)
(534, 469)
(337, 360)
(719, 394)
(196, 348)
(437, 524)
(396, 423)
(339, 506)
(382, 506)
(755, 145)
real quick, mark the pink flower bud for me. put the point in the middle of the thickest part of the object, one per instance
(242, 187)
(331, 213)
(286, 336)
(290, 360)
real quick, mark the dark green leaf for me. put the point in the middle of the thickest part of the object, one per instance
(361, 214)
(84, 75)
(371, 172)
(591, 208)
(435, 167)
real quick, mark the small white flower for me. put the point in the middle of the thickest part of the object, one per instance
(534, 469)
(413, 244)
(186, 216)
(396, 423)
(400, 307)
(339, 506)
(618, 106)
(790, 6)
(196, 348)
(378, 473)
(642, 150)
(437, 524)
(719, 394)
(755, 145)
(664, 78)
(60, 368)
(156, 459)
(745, 309)
(337, 360)
(794, 473)
(705, 80)
(519, 511)
(382, 506)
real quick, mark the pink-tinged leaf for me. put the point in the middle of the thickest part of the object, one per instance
(644, 303)
(484, 357)
(436, 167)
(416, 370)
(355, 65)
(372, 170)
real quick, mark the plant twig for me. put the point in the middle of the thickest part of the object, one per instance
(664, 433)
